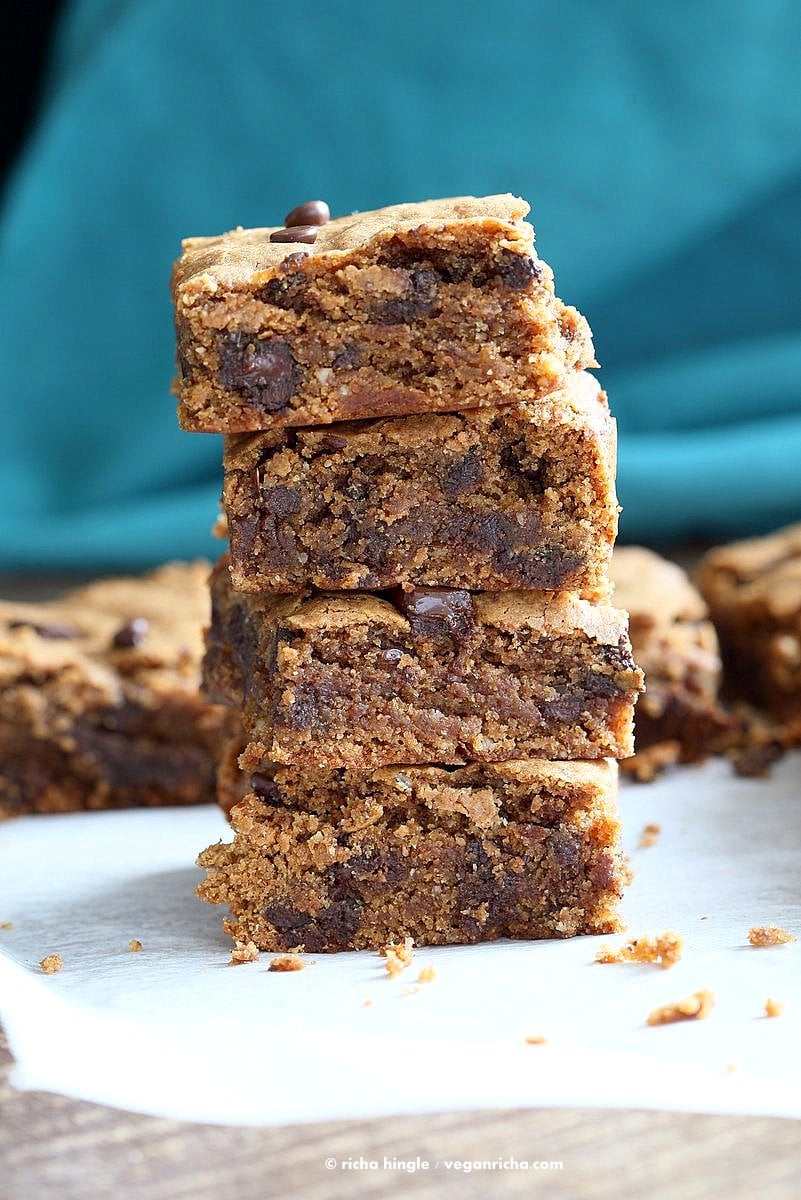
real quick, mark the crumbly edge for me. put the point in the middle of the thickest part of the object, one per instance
(466, 856)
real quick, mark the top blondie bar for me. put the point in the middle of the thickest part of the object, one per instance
(431, 307)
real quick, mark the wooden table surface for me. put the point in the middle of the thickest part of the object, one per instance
(66, 1149)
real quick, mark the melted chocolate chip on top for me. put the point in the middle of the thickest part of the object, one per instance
(298, 233)
(131, 634)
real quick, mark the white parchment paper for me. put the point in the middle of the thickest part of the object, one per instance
(174, 1030)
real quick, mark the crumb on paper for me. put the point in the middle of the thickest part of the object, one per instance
(730, 1067)
(6, 925)
(536, 1039)
(647, 764)
(51, 963)
(286, 962)
(649, 835)
(410, 991)
(244, 952)
(134, 945)
(427, 975)
(665, 949)
(773, 1008)
(366, 1003)
(398, 956)
(769, 935)
(692, 1008)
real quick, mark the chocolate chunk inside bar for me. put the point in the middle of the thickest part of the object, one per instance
(518, 496)
(99, 697)
(431, 675)
(416, 308)
(350, 859)
(675, 643)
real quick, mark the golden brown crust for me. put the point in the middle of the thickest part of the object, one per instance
(246, 256)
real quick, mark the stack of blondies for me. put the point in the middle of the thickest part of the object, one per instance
(412, 620)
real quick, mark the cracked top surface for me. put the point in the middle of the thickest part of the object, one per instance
(244, 256)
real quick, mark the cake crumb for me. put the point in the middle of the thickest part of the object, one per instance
(649, 835)
(427, 975)
(536, 1039)
(647, 764)
(410, 991)
(7, 925)
(665, 949)
(286, 962)
(51, 963)
(769, 935)
(244, 952)
(730, 1067)
(135, 945)
(366, 1003)
(692, 1008)
(774, 1008)
(398, 956)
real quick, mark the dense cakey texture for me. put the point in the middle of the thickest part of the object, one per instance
(753, 589)
(99, 697)
(675, 643)
(519, 496)
(429, 307)
(430, 675)
(353, 859)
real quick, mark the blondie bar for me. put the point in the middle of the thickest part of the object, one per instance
(353, 859)
(425, 307)
(99, 698)
(519, 496)
(753, 589)
(430, 675)
(675, 643)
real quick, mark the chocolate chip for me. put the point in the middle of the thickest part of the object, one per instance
(419, 296)
(313, 212)
(281, 502)
(437, 612)
(285, 291)
(463, 474)
(265, 787)
(348, 357)
(328, 442)
(261, 370)
(518, 270)
(298, 233)
(53, 630)
(517, 459)
(131, 634)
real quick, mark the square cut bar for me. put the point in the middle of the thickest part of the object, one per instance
(425, 307)
(100, 704)
(675, 643)
(518, 496)
(431, 675)
(753, 589)
(353, 859)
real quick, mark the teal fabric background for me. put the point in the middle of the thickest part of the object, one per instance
(659, 146)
